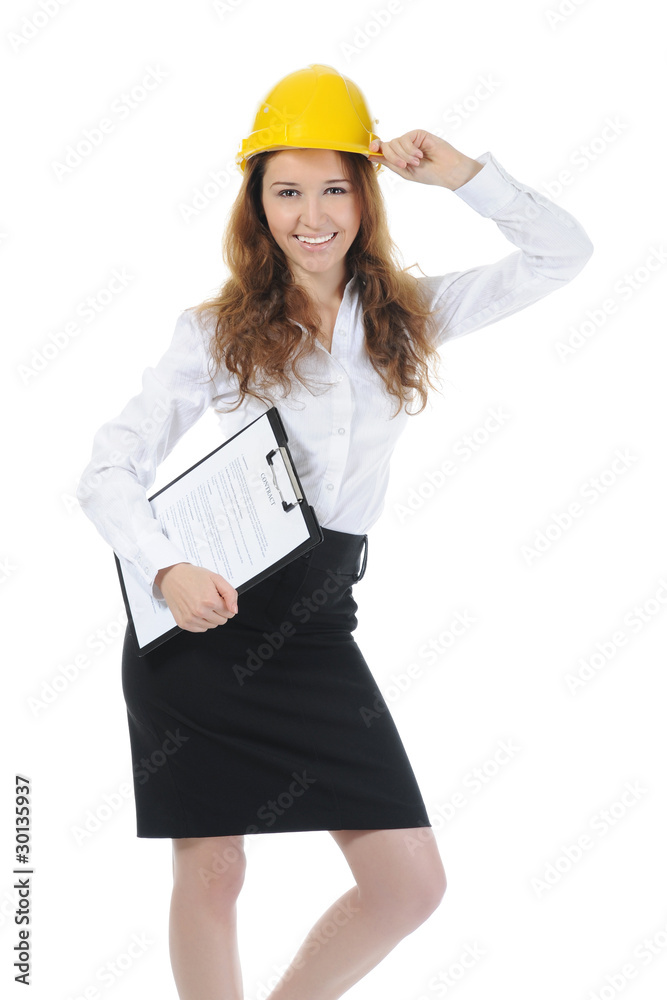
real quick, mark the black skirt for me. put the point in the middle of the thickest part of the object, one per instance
(272, 722)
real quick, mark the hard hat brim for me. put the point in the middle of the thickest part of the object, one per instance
(245, 154)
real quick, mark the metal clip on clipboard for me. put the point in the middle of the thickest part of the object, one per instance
(299, 496)
(288, 466)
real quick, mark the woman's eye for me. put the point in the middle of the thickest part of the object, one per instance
(290, 191)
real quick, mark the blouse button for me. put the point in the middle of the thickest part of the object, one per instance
(329, 486)
(341, 430)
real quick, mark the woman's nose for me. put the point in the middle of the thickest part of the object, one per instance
(313, 215)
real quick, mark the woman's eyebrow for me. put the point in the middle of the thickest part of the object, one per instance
(336, 180)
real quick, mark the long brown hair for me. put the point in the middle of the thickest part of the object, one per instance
(255, 335)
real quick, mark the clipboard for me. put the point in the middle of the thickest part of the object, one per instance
(240, 511)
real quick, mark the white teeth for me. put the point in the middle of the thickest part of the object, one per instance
(320, 239)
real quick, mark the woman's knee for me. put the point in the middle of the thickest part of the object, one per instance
(422, 890)
(420, 897)
(432, 888)
(397, 871)
(406, 903)
(209, 868)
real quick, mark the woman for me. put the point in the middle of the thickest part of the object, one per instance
(318, 320)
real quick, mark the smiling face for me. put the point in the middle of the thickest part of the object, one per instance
(305, 193)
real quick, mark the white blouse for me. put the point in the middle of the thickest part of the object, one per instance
(341, 438)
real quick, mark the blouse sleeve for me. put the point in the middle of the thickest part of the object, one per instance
(127, 449)
(553, 248)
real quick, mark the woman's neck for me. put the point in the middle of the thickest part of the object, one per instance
(326, 290)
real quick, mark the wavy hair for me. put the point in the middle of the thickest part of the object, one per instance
(256, 335)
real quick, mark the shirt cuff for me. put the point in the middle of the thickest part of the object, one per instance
(158, 551)
(490, 189)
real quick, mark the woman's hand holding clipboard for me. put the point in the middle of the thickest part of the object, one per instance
(198, 598)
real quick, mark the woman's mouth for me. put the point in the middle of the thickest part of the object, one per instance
(318, 242)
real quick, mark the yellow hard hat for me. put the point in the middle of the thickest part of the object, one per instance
(312, 108)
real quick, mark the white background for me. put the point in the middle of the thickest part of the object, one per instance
(556, 81)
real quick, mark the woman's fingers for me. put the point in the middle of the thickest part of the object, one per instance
(198, 598)
(209, 612)
(420, 156)
(228, 593)
(401, 152)
(211, 616)
(408, 151)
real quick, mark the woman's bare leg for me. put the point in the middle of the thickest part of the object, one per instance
(203, 946)
(400, 880)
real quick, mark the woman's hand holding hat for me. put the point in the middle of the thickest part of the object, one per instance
(421, 156)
